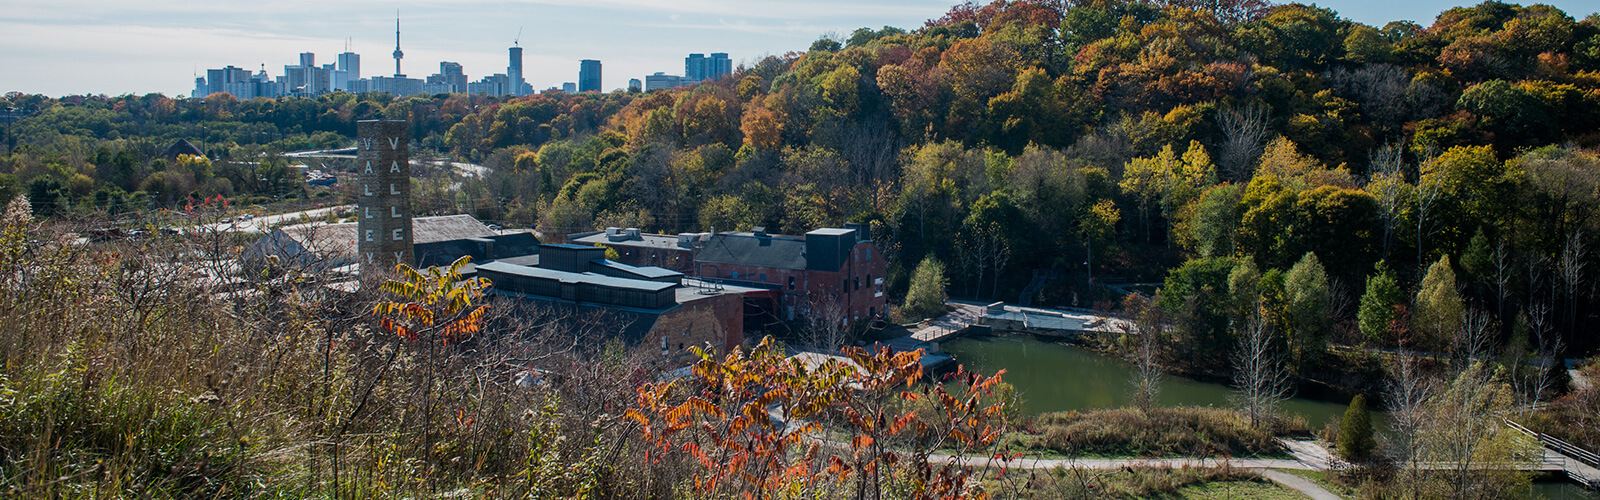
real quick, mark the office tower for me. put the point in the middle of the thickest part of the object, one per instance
(661, 81)
(350, 63)
(308, 59)
(569, 87)
(217, 80)
(634, 85)
(698, 67)
(514, 71)
(397, 53)
(449, 79)
(719, 66)
(589, 75)
(694, 67)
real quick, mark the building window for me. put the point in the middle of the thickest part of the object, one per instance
(736, 274)
(869, 255)
(844, 285)
(791, 282)
(872, 311)
(858, 282)
(663, 346)
(763, 277)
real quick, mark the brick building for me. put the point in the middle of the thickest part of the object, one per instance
(649, 306)
(837, 269)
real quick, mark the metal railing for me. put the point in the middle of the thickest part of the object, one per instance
(1568, 451)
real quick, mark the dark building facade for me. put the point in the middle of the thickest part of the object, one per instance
(589, 75)
(833, 271)
(644, 306)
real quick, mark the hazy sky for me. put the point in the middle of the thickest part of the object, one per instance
(59, 47)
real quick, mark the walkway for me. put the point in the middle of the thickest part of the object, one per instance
(960, 317)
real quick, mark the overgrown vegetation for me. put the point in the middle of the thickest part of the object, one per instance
(1158, 432)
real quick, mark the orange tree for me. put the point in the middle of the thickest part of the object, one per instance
(748, 423)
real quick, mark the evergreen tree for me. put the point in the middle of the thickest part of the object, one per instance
(1355, 431)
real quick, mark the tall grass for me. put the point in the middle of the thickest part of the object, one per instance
(1159, 431)
(126, 376)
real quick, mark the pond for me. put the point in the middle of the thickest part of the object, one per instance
(1052, 376)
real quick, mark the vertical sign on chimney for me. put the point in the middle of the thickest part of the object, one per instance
(383, 170)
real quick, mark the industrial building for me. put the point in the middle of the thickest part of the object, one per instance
(835, 267)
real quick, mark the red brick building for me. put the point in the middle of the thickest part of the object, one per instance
(827, 271)
(838, 269)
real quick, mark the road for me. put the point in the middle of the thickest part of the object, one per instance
(264, 223)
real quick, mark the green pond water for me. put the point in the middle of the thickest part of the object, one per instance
(1051, 376)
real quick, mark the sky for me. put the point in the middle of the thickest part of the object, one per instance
(62, 47)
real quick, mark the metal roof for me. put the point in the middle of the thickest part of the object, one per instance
(340, 239)
(647, 272)
(566, 277)
(751, 250)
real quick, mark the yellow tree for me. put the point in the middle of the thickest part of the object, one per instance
(435, 308)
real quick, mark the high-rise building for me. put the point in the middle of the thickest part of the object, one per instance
(514, 71)
(589, 75)
(661, 81)
(634, 85)
(694, 67)
(449, 79)
(350, 63)
(698, 67)
(720, 66)
(217, 80)
(569, 87)
(308, 59)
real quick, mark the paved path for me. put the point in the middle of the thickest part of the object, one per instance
(1300, 484)
(263, 224)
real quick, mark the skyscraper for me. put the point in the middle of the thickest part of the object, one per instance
(589, 75)
(514, 71)
(719, 66)
(350, 63)
(449, 79)
(694, 67)
(698, 67)
(635, 85)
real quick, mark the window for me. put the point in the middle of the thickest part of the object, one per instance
(791, 282)
(763, 277)
(844, 286)
(869, 255)
(858, 282)
(736, 274)
(663, 346)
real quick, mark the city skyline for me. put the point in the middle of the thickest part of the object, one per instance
(94, 46)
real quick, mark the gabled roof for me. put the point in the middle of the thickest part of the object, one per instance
(751, 250)
(182, 147)
(340, 239)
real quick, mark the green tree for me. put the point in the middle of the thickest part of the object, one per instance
(1438, 306)
(1308, 296)
(1355, 431)
(1380, 303)
(926, 297)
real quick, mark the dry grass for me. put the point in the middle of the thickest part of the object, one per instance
(124, 376)
(1181, 431)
